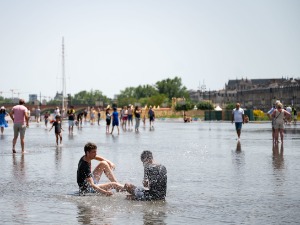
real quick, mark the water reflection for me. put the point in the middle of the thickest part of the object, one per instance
(19, 173)
(238, 156)
(58, 156)
(238, 147)
(278, 161)
(84, 214)
(155, 214)
(18, 169)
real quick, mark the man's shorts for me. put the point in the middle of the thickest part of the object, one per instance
(151, 118)
(71, 123)
(278, 126)
(19, 128)
(115, 123)
(139, 193)
(129, 117)
(238, 125)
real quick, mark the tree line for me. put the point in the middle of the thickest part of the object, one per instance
(159, 94)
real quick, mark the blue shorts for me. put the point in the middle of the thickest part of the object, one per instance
(238, 125)
(139, 193)
(130, 117)
(115, 123)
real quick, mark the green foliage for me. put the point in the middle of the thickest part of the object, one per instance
(205, 106)
(5, 100)
(89, 98)
(156, 100)
(145, 91)
(125, 101)
(184, 106)
(230, 106)
(172, 88)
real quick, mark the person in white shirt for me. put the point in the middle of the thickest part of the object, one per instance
(238, 118)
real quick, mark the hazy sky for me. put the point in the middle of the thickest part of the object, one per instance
(111, 45)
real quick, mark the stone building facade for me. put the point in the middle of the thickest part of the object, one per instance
(254, 93)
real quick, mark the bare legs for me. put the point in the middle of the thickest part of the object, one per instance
(113, 130)
(22, 139)
(103, 167)
(58, 136)
(277, 131)
(238, 133)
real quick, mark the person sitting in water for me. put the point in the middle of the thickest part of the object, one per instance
(88, 181)
(186, 119)
(155, 181)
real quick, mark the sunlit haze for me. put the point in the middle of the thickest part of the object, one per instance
(111, 45)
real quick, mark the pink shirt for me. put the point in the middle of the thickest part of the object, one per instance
(19, 113)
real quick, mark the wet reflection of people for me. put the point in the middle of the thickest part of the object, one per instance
(84, 214)
(238, 156)
(19, 173)
(155, 214)
(278, 161)
(19, 168)
(238, 147)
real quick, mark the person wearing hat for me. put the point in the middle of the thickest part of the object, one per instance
(3, 122)
(278, 115)
(19, 116)
(269, 113)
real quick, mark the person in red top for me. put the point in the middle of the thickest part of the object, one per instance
(19, 116)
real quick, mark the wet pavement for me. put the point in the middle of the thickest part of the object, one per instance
(212, 178)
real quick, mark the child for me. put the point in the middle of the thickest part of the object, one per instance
(115, 120)
(3, 122)
(57, 129)
(46, 119)
(108, 119)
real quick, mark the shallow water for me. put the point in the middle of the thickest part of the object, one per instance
(212, 178)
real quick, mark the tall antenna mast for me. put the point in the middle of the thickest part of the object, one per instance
(63, 75)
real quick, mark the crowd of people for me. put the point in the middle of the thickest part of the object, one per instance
(155, 175)
(20, 116)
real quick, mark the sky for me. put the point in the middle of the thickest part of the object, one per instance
(111, 45)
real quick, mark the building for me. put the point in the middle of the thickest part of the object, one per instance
(254, 93)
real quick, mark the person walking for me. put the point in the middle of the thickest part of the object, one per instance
(57, 129)
(115, 120)
(129, 118)
(278, 115)
(19, 116)
(38, 115)
(238, 118)
(71, 115)
(108, 119)
(99, 115)
(137, 114)
(46, 119)
(3, 122)
(151, 115)
(269, 113)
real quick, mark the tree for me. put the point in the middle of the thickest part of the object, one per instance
(205, 106)
(172, 88)
(145, 91)
(90, 98)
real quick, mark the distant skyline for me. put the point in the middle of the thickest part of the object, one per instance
(111, 45)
